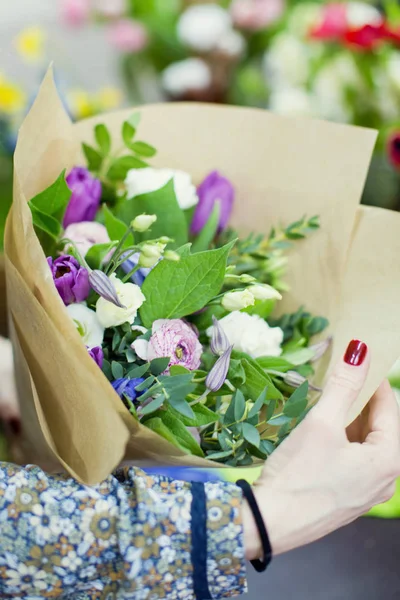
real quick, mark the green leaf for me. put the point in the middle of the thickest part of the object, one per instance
(184, 250)
(116, 229)
(219, 455)
(54, 199)
(297, 402)
(236, 372)
(145, 384)
(279, 420)
(275, 363)
(240, 405)
(134, 119)
(177, 289)
(202, 416)
(156, 425)
(267, 446)
(137, 372)
(117, 370)
(181, 406)
(207, 234)
(182, 435)
(153, 406)
(106, 368)
(120, 167)
(251, 434)
(178, 370)
(158, 365)
(152, 391)
(93, 157)
(45, 223)
(128, 133)
(259, 403)
(257, 381)
(143, 149)
(103, 138)
(171, 220)
(97, 253)
(299, 357)
(177, 388)
(270, 410)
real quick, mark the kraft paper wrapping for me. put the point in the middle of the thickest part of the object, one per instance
(282, 168)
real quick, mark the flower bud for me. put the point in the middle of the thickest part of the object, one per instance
(295, 380)
(171, 255)
(219, 341)
(151, 254)
(231, 277)
(264, 292)
(104, 287)
(320, 348)
(217, 376)
(142, 222)
(237, 300)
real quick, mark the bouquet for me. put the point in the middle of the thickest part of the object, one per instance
(155, 321)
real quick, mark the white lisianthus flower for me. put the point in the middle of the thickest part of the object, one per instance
(202, 26)
(251, 334)
(292, 102)
(130, 296)
(264, 292)
(145, 181)
(237, 300)
(360, 14)
(87, 324)
(143, 222)
(184, 76)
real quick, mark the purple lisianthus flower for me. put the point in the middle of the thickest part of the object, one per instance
(126, 387)
(171, 338)
(97, 354)
(214, 188)
(85, 199)
(70, 279)
(140, 275)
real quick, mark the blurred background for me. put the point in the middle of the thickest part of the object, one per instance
(333, 60)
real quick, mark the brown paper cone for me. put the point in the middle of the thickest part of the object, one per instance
(282, 169)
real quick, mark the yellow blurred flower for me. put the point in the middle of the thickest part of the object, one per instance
(84, 104)
(30, 43)
(12, 97)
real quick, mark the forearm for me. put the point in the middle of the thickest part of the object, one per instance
(132, 532)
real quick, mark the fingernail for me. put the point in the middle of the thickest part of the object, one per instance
(355, 353)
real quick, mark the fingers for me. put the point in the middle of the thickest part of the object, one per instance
(345, 383)
(384, 414)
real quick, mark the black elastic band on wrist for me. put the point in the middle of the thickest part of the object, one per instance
(259, 565)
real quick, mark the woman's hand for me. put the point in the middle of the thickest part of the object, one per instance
(324, 476)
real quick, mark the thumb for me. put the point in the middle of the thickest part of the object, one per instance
(345, 384)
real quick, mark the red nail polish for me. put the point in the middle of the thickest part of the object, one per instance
(355, 353)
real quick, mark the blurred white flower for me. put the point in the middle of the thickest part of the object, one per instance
(202, 26)
(144, 181)
(287, 62)
(110, 8)
(303, 17)
(360, 13)
(293, 102)
(251, 334)
(185, 76)
(253, 15)
(393, 71)
(231, 44)
(330, 85)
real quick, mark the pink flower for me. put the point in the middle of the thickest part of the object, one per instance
(75, 12)
(171, 338)
(85, 234)
(253, 15)
(333, 23)
(393, 149)
(128, 36)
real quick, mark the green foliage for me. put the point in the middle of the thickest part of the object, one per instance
(177, 289)
(171, 220)
(207, 234)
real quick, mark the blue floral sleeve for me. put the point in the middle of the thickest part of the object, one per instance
(135, 536)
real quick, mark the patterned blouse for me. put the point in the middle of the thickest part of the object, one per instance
(135, 536)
